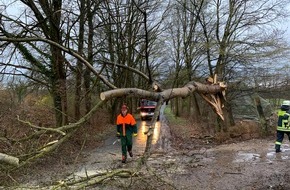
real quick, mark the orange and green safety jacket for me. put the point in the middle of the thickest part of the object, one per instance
(126, 125)
(283, 121)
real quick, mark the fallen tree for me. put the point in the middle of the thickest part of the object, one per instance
(11, 160)
(213, 93)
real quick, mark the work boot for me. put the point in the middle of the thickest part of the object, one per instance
(130, 153)
(277, 147)
(123, 159)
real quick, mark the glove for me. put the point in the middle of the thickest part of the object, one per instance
(135, 134)
(118, 135)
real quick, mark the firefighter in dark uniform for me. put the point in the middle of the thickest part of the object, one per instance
(283, 124)
(126, 128)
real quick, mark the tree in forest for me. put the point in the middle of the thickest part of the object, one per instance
(50, 64)
(228, 35)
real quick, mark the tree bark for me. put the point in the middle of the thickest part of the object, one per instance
(79, 67)
(87, 74)
(11, 160)
(215, 90)
(262, 117)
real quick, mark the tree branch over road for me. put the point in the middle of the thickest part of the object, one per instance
(168, 93)
(212, 94)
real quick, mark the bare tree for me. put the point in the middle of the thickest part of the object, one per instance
(231, 34)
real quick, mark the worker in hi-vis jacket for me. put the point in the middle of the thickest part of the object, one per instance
(126, 128)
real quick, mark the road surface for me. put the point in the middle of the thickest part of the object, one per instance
(108, 156)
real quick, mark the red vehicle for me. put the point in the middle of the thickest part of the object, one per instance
(147, 108)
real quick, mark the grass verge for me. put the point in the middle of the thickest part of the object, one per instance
(172, 119)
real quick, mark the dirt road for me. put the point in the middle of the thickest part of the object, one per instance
(108, 156)
(247, 165)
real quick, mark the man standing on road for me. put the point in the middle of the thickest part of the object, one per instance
(283, 124)
(126, 127)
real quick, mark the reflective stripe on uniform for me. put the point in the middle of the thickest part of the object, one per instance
(283, 129)
(283, 121)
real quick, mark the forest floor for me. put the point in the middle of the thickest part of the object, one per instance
(181, 158)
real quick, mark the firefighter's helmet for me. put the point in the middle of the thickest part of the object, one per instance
(286, 103)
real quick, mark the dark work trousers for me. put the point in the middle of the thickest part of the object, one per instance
(126, 142)
(280, 137)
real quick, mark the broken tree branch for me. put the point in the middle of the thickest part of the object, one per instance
(70, 129)
(212, 94)
(11, 160)
(42, 128)
(165, 94)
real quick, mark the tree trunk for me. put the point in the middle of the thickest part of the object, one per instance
(57, 61)
(223, 125)
(11, 160)
(79, 70)
(176, 106)
(57, 104)
(60, 87)
(229, 112)
(196, 113)
(262, 117)
(87, 74)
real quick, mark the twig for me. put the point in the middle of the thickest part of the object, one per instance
(42, 128)
(83, 145)
(238, 173)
